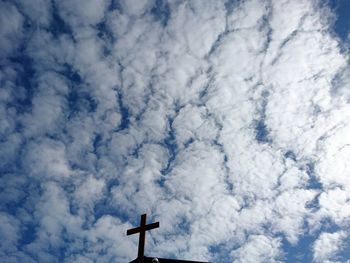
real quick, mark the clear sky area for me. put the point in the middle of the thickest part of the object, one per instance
(227, 121)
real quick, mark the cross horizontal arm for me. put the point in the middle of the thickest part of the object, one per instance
(142, 228)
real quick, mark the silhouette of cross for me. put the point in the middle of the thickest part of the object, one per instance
(142, 230)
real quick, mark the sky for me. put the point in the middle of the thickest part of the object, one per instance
(227, 121)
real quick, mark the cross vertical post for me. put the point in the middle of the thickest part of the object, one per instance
(142, 238)
(142, 230)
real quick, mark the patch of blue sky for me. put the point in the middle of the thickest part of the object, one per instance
(261, 131)
(9, 164)
(115, 5)
(230, 5)
(125, 114)
(344, 252)
(314, 182)
(28, 234)
(105, 207)
(291, 155)
(23, 64)
(170, 144)
(161, 11)
(58, 26)
(342, 21)
(71, 75)
(18, 200)
(104, 32)
(301, 252)
(80, 101)
(221, 252)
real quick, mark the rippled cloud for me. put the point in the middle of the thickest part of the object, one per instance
(227, 121)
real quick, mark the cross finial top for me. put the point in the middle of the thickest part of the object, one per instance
(142, 230)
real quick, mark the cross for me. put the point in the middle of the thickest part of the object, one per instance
(142, 230)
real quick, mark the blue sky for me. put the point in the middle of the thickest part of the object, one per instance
(342, 23)
(227, 121)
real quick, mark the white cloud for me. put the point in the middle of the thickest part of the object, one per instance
(216, 124)
(11, 29)
(334, 204)
(327, 245)
(39, 11)
(259, 248)
(9, 229)
(111, 231)
(47, 159)
(48, 106)
(335, 148)
(89, 191)
(135, 8)
(76, 16)
(290, 212)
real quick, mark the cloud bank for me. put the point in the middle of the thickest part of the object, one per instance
(227, 121)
